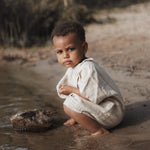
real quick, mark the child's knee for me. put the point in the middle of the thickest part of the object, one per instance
(69, 111)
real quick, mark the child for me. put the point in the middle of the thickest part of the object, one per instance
(91, 97)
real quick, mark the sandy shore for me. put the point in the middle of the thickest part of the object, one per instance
(123, 49)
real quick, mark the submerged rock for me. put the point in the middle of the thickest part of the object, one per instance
(35, 120)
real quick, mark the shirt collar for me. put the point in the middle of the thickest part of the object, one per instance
(86, 59)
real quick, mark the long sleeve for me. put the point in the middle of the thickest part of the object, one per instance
(95, 84)
(63, 81)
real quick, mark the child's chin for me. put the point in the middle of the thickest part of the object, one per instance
(68, 65)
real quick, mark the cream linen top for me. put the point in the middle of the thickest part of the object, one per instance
(93, 82)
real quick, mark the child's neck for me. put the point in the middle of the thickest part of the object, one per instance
(83, 59)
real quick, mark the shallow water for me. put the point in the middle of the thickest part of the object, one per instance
(17, 96)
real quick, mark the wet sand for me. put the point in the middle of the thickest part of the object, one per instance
(123, 50)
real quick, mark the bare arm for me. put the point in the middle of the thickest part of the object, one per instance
(66, 90)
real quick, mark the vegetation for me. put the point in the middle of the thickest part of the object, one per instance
(26, 22)
(29, 22)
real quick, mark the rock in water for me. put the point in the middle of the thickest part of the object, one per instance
(35, 120)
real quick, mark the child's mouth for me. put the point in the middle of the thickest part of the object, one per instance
(67, 62)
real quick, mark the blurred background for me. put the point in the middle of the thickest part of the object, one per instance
(25, 23)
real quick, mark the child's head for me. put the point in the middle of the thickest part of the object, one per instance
(69, 42)
(69, 27)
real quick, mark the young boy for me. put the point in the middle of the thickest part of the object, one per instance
(91, 97)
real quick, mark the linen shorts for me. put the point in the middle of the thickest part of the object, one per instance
(109, 113)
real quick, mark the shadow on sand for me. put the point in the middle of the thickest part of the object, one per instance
(136, 113)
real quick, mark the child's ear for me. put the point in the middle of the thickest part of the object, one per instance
(85, 47)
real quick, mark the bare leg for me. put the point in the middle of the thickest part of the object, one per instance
(88, 123)
(69, 122)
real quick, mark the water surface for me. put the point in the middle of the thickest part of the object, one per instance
(17, 95)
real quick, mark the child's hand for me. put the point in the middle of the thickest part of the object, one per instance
(66, 89)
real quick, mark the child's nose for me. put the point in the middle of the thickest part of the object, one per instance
(66, 55)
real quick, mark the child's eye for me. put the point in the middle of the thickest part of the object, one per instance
(71, 49)
(59, 52)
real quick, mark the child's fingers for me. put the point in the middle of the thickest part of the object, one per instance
(60, 86)
(61, 91)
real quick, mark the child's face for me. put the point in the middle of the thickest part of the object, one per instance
(69, 49)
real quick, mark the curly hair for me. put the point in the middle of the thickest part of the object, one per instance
(69, 27)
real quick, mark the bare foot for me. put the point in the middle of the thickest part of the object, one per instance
(100, 132)
(70, 122)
